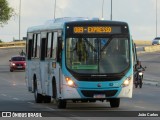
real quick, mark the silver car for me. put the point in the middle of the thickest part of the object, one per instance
(156, 41)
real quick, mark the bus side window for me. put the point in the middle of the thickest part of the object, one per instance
(51, 52)
(43, 45)
(134, 54)
(38, 45)
(35, 46)
(32, 48)
(54, 49)
(29, 46)
(59, 49)
(29, 49)
(49, 43)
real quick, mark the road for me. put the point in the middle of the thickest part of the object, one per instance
(151, 61)
(15, 97)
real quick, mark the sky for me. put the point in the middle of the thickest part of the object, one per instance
(139, 14)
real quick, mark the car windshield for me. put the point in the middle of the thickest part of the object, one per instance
(97, 55)
(18, 59)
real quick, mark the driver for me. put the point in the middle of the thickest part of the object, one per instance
(80, 49)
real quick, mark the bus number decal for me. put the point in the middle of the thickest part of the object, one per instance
(92, 30)
(78, 30)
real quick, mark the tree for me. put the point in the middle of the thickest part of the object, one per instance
(6, 12)
(1, 41)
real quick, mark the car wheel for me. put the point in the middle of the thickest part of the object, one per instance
(11, 70)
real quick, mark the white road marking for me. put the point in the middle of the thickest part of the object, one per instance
(146, 108)
(30, 103)
(15, 98)
(50, 108)
(74, 115)
(140, 107)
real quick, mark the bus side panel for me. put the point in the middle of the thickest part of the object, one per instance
(59, 78)
(28, 77)
(36, 71)
(45, 78)
(127, 91)
(69, 92)
(51, 76)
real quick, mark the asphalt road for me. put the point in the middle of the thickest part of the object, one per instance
(151, 61)
(15, 97)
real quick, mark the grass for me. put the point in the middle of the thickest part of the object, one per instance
(143, 42)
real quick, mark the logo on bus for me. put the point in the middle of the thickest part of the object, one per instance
(99, 85)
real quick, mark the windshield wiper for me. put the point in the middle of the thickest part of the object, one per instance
(92, 47)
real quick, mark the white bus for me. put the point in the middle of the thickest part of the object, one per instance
(76, 59)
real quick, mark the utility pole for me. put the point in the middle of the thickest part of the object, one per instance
(20, 20)
(55, 9)
(102, 8)
(156, 18)
(111, 9)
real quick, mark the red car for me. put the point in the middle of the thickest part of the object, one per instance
(17, 63)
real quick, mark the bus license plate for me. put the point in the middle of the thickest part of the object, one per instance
(99, 96)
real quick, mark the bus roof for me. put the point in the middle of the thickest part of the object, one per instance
(58, 23)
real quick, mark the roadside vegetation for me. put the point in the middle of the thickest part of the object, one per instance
(6, 12)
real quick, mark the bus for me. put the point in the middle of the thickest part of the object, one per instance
(80, 60)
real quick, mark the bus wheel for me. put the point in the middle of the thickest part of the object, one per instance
(47, 99)
(114, 102)
(38, 97)
(61, 104)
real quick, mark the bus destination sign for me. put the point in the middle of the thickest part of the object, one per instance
(96, 29)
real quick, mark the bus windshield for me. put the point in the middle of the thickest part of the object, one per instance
(97, 55)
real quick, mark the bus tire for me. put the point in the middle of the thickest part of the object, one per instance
(38, 97)
(61, 104)
(47, 99)
(54, 89)
(114, 102)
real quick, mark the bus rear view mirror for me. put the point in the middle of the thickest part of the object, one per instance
(59, 50)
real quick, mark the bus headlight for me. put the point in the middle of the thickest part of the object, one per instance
(126, 82)
(70, 82)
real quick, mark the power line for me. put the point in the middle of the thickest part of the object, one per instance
(55, 9)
